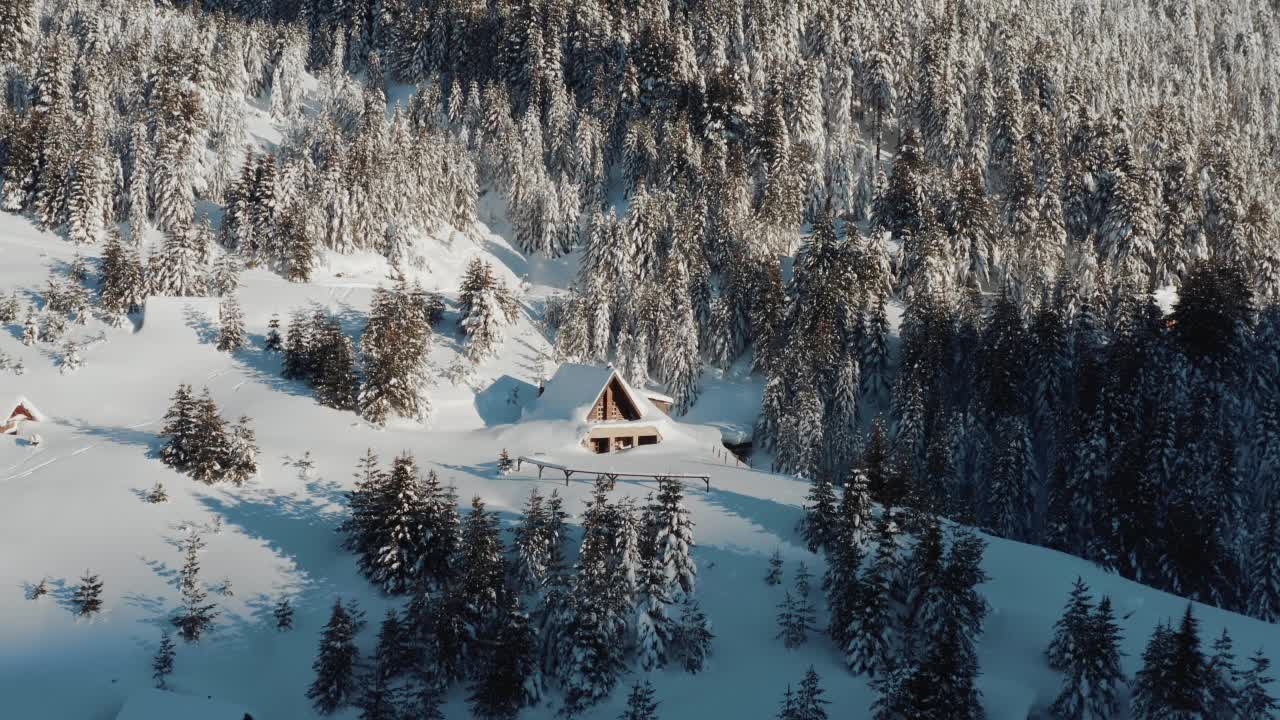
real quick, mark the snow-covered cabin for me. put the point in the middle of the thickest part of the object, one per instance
(151, 704)
(610, 414)
(20, 410)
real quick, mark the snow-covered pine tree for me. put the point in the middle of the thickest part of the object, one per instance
(442, 524)
(505, 463)
(30, 328)
(157, 493)
(274, 343)
(283, 614)
(162, 662)
(231, 335)
(393, 349)
(242, 453)
(693, 636)
(394, 549)
(821, 524)
(396, 654)
(87, 599)
(1172, 680)
(225, 278)
(774, 576)
(530, 546)
(481, 567)
(810, 703)
(70, 361)
(1256, 702)
(332, 363)
(509, 681)
(297, 349)
(595, 619)
(1071, 628)
(179, 427)
(871, 633)
(673, 533)
(486, 307)
(176, 267)
(211, 446)
(653, 627)
(1222, 679)
(640, 703)
(195, 615)
(335, 665)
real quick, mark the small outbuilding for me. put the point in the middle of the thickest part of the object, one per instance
(19, 411)
(612, 414)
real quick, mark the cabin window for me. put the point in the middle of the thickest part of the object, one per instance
(600, 445)
(648, 439)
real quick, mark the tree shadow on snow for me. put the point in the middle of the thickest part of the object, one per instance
(503, 400)
(299, 528)
(206, 328)
(777, 518)
(120, 435)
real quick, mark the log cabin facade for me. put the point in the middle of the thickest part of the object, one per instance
(614, 416)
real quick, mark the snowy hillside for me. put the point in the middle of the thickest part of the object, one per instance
(74, 503)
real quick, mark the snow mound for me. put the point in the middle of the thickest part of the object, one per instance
(162, 705)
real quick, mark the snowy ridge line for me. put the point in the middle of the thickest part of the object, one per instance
(610, 475)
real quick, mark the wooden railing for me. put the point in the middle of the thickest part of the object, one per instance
(609, 475)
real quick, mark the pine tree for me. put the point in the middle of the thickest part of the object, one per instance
(1222, 679)
(1256, 702)
(70, 361)
(789, 710)
(531, 545)
(393, 348)
(655, 630)
(283, 614)
(795, 620)
(395, 653)
(1264, 566)
(387, 517)
(195, 616)
(871, 618)
(162, 663)
(774, 576)
(509, 681)
(486, 307)
(1071, 627)
(1171, 682)
(504, 463)
(640, 703)
(30, 328)
(87, 599)
(242, 453)
(231, 335)
(335, 683)
(274, 343)
(297, 350)
(157, 493)
(209, 457)
(693, 636)
(820, 524)
(180, 428)
(674, 537)
(810, 705)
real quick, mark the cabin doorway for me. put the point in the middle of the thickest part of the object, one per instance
(600, 445)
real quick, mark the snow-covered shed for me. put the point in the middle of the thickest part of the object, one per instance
(609, 413)
(19, 411)
(152, 704)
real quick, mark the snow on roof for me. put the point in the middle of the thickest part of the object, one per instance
(151, 704)
(574, 388)
(24, 402)
(659, 397)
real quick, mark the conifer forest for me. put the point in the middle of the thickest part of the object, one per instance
(968, 311)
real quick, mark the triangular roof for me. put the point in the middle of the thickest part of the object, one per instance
(574, 389)
(24, 402)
